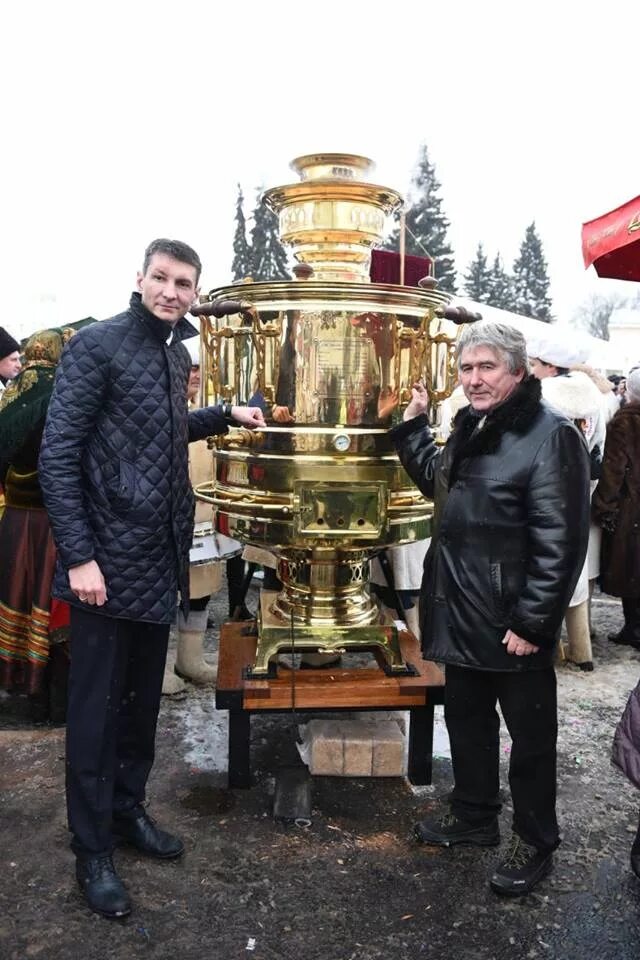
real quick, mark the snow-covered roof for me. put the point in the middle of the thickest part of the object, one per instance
(600, 354)
(624, 317)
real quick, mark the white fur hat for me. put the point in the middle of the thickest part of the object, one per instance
(575, 395)
(561, 348)
(193, 347)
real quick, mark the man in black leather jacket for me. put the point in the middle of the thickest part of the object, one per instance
(511, 522)
(114, 474)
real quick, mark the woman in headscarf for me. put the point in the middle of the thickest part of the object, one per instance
(30, 662)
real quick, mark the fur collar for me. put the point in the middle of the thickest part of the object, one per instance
(514, 415)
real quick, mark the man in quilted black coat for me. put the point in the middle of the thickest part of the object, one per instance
(114, 474)
(511, 522)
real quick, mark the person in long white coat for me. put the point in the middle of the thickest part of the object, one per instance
(574, 394)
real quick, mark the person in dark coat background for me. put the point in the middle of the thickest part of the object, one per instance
(511, 520)
(115, 479)
(616, 508)
(10, 364)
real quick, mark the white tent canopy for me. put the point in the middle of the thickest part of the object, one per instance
(600, 354)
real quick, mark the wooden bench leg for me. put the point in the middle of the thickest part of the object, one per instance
(420, 745)
(239, 747)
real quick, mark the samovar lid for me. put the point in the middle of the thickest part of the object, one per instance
(332, 166)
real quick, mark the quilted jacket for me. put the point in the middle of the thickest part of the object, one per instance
(114, 466)
(511, 525)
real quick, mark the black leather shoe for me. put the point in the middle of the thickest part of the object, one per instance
(142, 833)
(102, 887)
(242, 613)
(449, 831)
(623, 640)
(523, 867)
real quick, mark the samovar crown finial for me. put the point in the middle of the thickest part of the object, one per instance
(333, 166)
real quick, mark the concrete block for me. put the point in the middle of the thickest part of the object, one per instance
(358, 749)
(325, 748)
(354, 747)
(388, 750)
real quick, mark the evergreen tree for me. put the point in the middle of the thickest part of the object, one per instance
(268, 257)
(426, 224)
(501, 293)
(241, 266)
(530, 280)
(477, 279)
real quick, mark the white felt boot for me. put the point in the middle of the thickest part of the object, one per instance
(172, 685)
(190, 662)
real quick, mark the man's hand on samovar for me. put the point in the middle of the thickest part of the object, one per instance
(282, 415)
(250, 417)
(419, 402)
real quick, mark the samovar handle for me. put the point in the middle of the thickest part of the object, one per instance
(219, 308)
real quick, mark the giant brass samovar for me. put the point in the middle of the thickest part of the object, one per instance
(331, 359)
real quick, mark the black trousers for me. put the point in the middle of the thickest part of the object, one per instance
(115, 685)
(529, 707)
(631, 610)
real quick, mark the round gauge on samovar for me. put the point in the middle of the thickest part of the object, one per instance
(342, 442)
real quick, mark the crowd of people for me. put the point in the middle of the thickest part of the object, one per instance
(536, 496)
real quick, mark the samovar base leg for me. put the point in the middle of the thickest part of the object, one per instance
(275, 636)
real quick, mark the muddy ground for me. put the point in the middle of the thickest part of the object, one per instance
(352, 885)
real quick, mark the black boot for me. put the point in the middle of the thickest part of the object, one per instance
(141, 832)
(449, 831)
(237, 589)
(635, 854)
(102, 887)
(523, 867)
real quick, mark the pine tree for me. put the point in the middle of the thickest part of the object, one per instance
(241, 266)
(501, 293)
(426, 224)
(477, 279)
(530, 280)
(268, 256)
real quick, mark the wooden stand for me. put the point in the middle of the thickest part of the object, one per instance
(330, 689)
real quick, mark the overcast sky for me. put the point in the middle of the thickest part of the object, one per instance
(133, 120)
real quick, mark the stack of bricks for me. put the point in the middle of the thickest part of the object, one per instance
(354, 748)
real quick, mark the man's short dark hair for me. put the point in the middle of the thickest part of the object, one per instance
(173, 248)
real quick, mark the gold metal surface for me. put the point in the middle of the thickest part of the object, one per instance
(332, 219)
(331, 361)
(275, 636)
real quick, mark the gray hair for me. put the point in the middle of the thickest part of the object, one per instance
(504, 340)
(633, 385)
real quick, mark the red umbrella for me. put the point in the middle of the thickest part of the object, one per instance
(612, 242)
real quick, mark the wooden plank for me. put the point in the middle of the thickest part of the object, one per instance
(357, 688)
(236, 650)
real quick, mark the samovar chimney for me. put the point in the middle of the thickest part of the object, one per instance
(333, 217)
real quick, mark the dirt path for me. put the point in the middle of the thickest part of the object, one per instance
(353, 886)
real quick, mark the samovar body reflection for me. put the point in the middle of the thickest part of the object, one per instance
(331, 360)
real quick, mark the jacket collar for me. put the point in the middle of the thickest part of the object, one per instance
(181, 331)
(514, 415)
